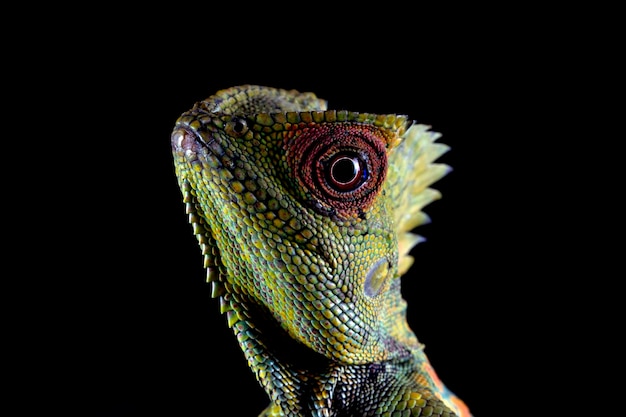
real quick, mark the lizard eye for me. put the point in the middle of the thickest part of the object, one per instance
(346, 171)
(340, 167)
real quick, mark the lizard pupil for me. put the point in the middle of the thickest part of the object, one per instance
(346, 172)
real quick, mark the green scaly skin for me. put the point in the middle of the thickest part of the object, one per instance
(304, 218)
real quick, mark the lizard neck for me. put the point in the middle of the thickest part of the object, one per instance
(297, 378)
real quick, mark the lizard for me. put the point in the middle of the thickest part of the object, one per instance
(304, 216)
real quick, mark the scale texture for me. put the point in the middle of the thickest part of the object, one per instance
(304, 217)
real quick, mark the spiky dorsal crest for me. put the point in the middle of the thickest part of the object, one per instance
(412, 169)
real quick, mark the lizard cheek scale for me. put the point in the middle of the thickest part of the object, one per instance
(304, 217)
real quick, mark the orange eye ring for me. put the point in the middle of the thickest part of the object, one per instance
(340, 167)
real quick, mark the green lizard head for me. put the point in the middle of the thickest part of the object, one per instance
(296, 209)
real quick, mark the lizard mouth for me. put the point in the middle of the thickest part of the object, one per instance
(192, 144)
(185, 141)
(192, 151)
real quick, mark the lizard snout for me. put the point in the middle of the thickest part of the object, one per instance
(194, 145)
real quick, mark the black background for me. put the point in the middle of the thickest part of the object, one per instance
(137, 331)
